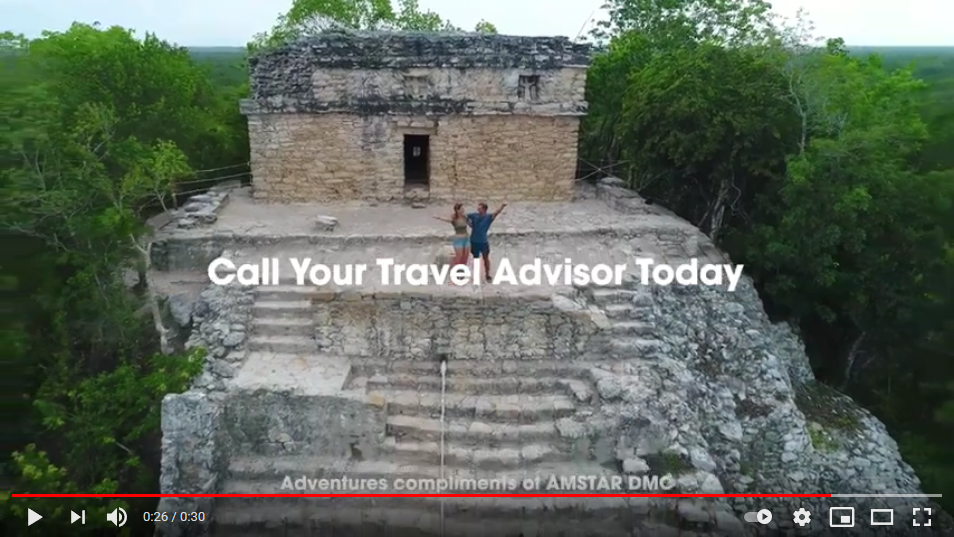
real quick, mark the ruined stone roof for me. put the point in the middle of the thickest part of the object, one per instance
(399, 50)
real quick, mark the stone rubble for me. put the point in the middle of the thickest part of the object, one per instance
(180, 307)
(203, 209)
(222, 317)
(326, 223)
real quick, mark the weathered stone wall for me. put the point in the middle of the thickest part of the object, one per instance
(465, 328)
(195, 448)
(337, 157)
(434, 91)
(478, 90)
(377, 73)
(274, 424)
(194, 459)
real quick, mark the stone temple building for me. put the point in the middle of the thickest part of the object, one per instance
(391, 116)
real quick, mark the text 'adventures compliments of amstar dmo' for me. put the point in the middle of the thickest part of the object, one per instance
(551, 484)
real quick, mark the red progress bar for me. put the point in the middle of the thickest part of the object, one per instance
(15, 495)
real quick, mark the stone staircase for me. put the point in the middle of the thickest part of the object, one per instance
(630, 314)
(506, 424)
(503, 416)
(282, 320)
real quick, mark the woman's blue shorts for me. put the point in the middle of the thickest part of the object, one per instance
(460, 243)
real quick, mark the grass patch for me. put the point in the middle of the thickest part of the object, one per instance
(745, 468)
(828, 408)
(669, 462)
(821, 440)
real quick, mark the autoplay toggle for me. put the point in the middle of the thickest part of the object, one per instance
(762, 517)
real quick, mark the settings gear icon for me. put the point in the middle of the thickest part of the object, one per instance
(802, 517)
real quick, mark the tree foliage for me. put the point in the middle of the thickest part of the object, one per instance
(103, 128)
(309, 17)
(818, 169)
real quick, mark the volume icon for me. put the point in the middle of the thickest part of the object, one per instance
(74, 517)
(117, 517)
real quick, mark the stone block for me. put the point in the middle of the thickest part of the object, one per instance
(326, 223)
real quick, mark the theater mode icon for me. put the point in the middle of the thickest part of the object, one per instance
(886, 517)
(841, 517)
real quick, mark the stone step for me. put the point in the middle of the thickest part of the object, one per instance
(612, 296)
(284, 309)
(632, 327)
(479, 386)
(476, 369)
(421, 429)
(605, 297)
(496, 408)
(468, 456)
(480, 500)
(573, 432)
(621, 312)
(633, 347)
(285, 292)
(283, 344)
(277, 326)
(618, 311)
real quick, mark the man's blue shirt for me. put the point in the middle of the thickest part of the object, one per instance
(480, 225)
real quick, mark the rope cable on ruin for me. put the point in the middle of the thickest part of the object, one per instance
(212, 179)
(605, 170)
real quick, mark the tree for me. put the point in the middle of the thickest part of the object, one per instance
(729, 22)
(637, 31)
(309, 17)
(706, 122)
(100, 125)
(806, 164)
(485, 27)
(856, 145)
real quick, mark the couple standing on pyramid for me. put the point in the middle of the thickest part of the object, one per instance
(475, 241)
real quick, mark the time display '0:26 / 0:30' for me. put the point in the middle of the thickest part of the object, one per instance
(175, 516)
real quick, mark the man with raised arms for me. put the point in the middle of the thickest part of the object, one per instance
(480, 223)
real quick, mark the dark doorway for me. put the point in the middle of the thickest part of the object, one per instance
(417, 159)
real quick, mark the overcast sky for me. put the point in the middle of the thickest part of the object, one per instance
(233, 22)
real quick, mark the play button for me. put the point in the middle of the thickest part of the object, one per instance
(764, 516)
(32, 517)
